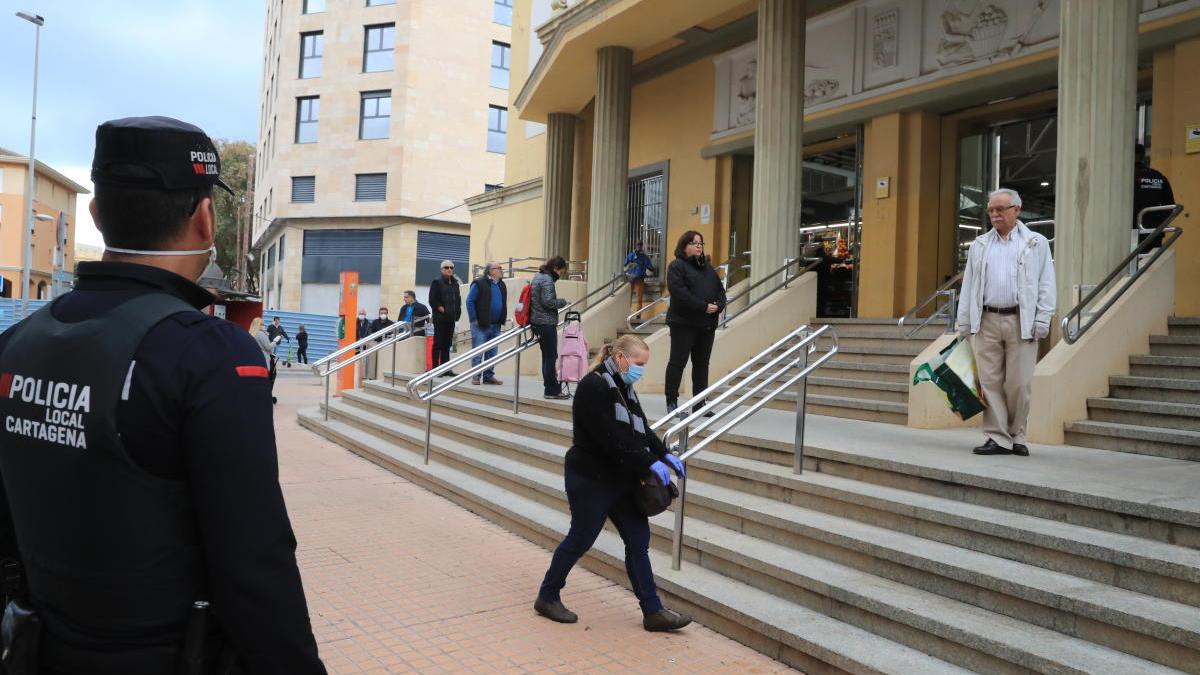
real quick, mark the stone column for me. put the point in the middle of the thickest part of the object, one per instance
(1097, 72)
(556, 185)
(778, 137)
(610, 165)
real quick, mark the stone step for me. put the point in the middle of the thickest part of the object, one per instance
(1139, 440)
(880, 372)
(892, 355)
(822, 382)
(1183, 325)
(1139, 616)
(838, 321)
(1181, 416)
(893, 344)
(796, 635)
(1165, 570)
(889, 333)
(1175, 345)
(858, 408)
(1154, 389)
(1170, 367)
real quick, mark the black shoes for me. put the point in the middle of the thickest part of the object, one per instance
(560, 396)
(449, 373)
(664, 620)
(991, 448)
(554, 611)
(1020, 450)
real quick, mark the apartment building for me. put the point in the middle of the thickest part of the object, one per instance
(53, 231)
(377, 119)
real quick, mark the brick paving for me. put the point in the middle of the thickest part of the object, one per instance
(401, 580)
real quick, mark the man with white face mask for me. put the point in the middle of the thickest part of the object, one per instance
(142, 477)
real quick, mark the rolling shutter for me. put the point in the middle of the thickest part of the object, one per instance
(370, 187)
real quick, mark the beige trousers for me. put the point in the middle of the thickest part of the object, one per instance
(1005, 364)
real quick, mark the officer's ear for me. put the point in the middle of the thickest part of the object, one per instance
(203, 223)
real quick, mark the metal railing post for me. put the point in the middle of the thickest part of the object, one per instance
(327, 376)
(517, 383)
(428, 421)
(952, 308)
(801, 410)
(677, 536)
(393, 378)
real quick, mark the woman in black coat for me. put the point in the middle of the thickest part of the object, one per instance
(613, 449)
(697, 298)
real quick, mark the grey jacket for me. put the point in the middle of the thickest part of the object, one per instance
(1035, 282)
(544, 303)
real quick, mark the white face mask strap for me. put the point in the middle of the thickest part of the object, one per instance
(130, 251)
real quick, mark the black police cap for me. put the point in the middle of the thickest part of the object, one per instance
(157, 153)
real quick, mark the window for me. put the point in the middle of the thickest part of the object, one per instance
(376, 3)
(370, 187)
(314, 6)
(282, 248)
(500, 68)
(502, 12)
(312, 47)
(379, 48)
(308, 111)
(304, 189)
(491, 187)
(497, 129)
(375, 114)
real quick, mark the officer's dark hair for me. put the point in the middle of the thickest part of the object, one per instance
(144, 218)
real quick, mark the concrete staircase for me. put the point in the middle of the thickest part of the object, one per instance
(1155, 410)
(896, 557)
(868, 378)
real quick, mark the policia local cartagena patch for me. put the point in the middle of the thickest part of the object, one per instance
(64, 405)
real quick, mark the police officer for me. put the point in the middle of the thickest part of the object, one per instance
(1150, 188)
(137, 455)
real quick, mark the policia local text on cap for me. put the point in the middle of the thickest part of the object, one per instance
(138, 471)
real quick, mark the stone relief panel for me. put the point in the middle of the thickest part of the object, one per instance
(889, 43)
(828, 65)
(964, 32)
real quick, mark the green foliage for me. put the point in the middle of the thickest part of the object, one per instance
(232, 210)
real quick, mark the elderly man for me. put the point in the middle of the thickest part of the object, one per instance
(487, 307)
(1007, 302)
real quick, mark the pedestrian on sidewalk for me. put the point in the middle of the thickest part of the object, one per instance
(445, 300)
(697, 298)
(301, 344)
(637, 266)
(362, 327)
(414, 313)
(544, 304)
(164, 491)
(487, 308)
(262, 336)
(1007, 301)
(613, 450)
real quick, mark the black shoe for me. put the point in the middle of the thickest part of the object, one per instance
(449, 373)
(560, 396)
(665, 620)
(554, 611)
(992, 448)
(1020, 450)
(672, 406)
(696, 408)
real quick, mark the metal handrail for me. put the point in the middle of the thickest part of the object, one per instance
(723, 267)
(1082, 326)
(776, 368)
(328, 364)
(525, 340)
(477, 269)
(786, 279)
(948, 311)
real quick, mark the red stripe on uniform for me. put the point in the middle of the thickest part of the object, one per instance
(252, 371)
(6, 384)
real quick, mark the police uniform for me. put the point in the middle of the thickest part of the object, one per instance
(138, 462)
(1151, 188)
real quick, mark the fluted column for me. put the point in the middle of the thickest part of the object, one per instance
(778, 136)
(610, 165)
(556, 185)
(1097, 80)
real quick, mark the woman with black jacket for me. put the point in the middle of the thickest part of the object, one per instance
(613, 449)
(697, 299)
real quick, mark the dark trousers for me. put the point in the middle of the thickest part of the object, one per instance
(302, 355)
(592, 502)
(547, 335)
(443, 336)
(688, 342)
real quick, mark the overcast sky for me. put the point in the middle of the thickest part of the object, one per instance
(197, 60)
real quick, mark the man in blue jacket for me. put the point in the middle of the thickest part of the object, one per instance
(487, 308)
(637, 266)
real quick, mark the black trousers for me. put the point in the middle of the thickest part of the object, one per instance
(547, 335)
(302, 355)
(443, 336)
(696, 344)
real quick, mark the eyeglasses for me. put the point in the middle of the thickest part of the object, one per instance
(448, 268)
(696, 243)
(1000, 209)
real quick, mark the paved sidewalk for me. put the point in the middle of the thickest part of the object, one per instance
(401, 580)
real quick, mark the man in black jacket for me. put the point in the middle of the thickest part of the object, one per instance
(1150, 188)
(487, 308)
(445, 300)
(415, 313)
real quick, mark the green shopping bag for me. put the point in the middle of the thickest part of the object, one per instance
(953, 371)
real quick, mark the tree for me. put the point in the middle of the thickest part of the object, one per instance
(233, 210)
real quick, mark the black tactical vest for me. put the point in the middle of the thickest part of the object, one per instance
(111, 552)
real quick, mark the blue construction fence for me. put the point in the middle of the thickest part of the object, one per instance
(10, 311)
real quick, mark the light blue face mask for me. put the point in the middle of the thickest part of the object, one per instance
(634, 374)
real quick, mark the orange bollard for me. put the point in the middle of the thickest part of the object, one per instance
(348, 308)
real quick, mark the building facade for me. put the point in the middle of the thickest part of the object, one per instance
(53, 234)
(377, 119)
(869, 130)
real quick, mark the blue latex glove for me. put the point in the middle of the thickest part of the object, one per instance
(675, 464)
(659, 469)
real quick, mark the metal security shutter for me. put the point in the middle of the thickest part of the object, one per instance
(304, 189)
(434, 247)
(370, 187)
(327, 253)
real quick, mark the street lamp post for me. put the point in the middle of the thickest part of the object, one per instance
(27, 235)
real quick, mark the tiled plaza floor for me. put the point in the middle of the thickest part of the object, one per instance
(401, 580)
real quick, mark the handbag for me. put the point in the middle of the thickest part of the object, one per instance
(653, 497)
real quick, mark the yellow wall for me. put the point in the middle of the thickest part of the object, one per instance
(513, 230)
(1176, 104)
(526, 157)
(51, 198)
